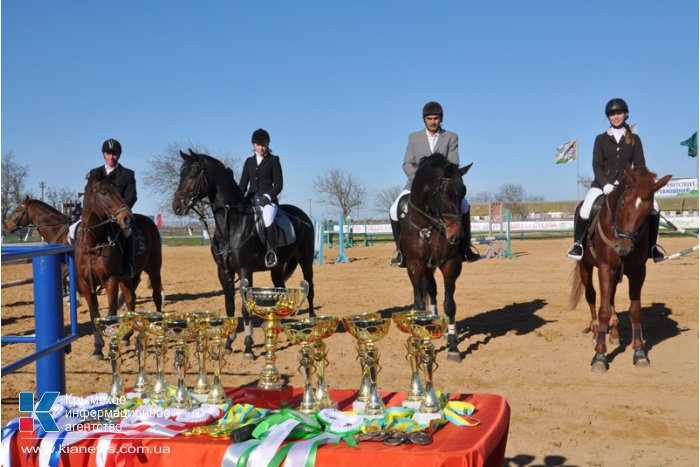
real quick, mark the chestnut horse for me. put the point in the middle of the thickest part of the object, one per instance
(98, 251)
(236, 247)
(51, 224)
(617, 243)
(431, 234)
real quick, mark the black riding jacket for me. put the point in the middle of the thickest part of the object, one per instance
(264, 179)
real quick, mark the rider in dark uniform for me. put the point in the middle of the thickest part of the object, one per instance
(262, 182)
(125, 182)
(611, 153)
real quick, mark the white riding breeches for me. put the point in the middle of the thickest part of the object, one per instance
(269, 211)
(394, 210)
(590, 198)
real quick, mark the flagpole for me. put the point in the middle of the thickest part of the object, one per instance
(578, 187)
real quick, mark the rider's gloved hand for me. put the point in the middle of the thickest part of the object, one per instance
(608, 188)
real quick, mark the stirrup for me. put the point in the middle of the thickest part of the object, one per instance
(657, 253)
(575, 252)
(398, 260)
(471, 256)
(270, 259)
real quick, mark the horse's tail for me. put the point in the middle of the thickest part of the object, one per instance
(576, 286)
(289, 268)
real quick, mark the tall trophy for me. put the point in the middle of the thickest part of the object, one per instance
(402, 320)
(369, 331)
(181, 331)
(363, 394)
(426, 328)
(114, 328)
(304, 332)
(271, 304)
(201, 385)
(142, 385)
(155, 327)
(327, 325)
(216, 329)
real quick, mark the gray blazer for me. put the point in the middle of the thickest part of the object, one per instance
(418, 148)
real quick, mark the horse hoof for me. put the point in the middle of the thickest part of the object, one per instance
(454, 357)
(228, 350)
(599, 367)
(614, 341)
(98, 357)
(642, 363)
(249, 356)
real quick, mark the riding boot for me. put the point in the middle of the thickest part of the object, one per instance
(398, 259)
(654, 252)
(469, 255)
(576, 250)
(271, 255)
(129, 257)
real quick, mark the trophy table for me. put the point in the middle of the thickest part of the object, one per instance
(271, 304)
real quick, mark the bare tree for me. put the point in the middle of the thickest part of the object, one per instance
(163, 176)
(513, 196)
(481, 197)
(57, 196)
(342, 190)
(14, 176)
(386, 197)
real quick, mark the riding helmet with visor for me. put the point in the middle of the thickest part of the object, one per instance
(112, 146)
(616, 105)
(432, 108)
(260, 136)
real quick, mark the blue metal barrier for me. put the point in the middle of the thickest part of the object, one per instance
(49, 337)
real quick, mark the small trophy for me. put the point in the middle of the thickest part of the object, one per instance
(142, 386)
(327, 325)
(304, 332)
(201, 386)
(180, 331)
(363, 394)
(403, 323)
(155, 327)
(114, 328)
(271, 303)
(216, 329)
(369, 331)
(426, 328)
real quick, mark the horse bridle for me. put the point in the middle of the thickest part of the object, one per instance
(438, 223)
(617, 230)
(201, 186)
(111, 217)
(25, 212)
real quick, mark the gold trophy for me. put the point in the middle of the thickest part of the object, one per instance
(369, 331)
(363, 394)
(216, 329)
(327, 325)
(402, 320)
(426, 328)
(304, 332)
(180, 331)
(155, 327)
(142, 385)
(201, 386)
(272, 303)
(114, 328)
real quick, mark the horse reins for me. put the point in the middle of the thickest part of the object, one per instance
(25, 212)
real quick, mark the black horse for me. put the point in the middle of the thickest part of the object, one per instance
(431, 234)
(236, 246)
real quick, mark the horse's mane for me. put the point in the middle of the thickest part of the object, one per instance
(221, 168)
(644, 181)
(46, 206)
(435, 164)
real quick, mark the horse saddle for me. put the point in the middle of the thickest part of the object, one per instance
(140, 242)
(283, 227)
(594, 216)
(402, 208)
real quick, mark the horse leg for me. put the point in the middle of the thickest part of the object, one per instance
(640, 358)
(156, 287)
(599, 364)
(586, 274)
(91, 300)
(247, 323)
(307, 271)
(450, 308)
(430, 290)
(416, 274)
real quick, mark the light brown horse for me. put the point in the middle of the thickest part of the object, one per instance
(617, 244)
(99, 248)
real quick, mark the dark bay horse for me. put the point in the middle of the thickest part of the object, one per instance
(431, 233)
(51, 224)
(617, 243)
(99, 247)
(236, 247)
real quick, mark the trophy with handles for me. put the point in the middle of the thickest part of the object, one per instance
(216, 329)
(426, 329)
(142, 385)
(304, 332)
(201, 385)
(114, 328)
(155, 329)
(181, 331)
(403, 320)
(327, 326)
(363, 394)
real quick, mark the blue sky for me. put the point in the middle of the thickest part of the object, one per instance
(342, 84)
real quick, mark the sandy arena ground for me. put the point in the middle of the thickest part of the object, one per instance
(518, 338)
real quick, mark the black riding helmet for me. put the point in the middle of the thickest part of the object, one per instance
(260, 136)
(616, 105)
(112, 146)
(432, 108)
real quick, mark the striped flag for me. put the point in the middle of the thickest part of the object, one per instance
(567, 152)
